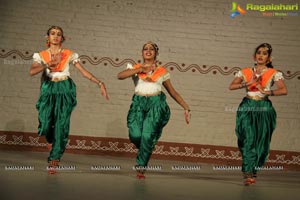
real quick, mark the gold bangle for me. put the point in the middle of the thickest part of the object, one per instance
(45, 66)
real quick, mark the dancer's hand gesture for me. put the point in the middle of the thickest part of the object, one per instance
(187, 116)
(103, 91)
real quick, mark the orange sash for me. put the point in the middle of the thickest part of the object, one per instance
(158, 72)
(65, 58)
(264, 79)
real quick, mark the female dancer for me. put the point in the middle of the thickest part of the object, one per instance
(149, 111)
(58, 93)
(256, 117)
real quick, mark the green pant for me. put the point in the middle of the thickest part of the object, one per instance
(145, 120)
(55, 105)
(255, 123)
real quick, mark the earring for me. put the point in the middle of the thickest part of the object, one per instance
(47, 43)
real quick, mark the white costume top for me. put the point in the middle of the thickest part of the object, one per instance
(74, 59)
(148, 88)
(278, 76)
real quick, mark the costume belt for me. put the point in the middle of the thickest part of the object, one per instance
(257, 98)
(147, 95)
(57, 79)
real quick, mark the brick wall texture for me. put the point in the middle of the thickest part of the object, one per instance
(189, 33)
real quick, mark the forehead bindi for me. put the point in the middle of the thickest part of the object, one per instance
(149, 46)
(262, 50)
(55, 31)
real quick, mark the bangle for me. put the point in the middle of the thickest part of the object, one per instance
(46, 65)
(272, 93)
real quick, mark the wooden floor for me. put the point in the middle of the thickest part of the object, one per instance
(23, 175)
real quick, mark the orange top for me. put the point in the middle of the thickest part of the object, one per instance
(264, 79)
(65, 58)
(158, 72)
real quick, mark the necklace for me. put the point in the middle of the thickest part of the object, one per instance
(55, 56)
(151, 66)
(260, 71)
(54, 53)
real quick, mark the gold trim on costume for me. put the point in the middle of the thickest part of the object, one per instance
(257, 98)
(57, 79)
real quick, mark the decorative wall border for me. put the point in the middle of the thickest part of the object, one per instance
(203, 69)
(220, 155)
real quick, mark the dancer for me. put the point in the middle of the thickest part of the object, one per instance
(149, 111)
(58, 93)
(256, 117)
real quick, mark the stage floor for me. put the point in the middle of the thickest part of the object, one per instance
(23, 175)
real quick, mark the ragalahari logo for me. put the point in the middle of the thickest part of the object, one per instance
(236, 10)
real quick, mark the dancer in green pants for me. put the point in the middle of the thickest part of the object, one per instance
(149, 111)
(58, 93)
(256, 117)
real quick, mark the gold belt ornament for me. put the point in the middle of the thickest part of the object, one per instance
(257, 98)
(147, 95)
(57, 79)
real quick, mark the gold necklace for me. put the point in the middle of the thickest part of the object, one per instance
(260, 72)
(53, 54)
